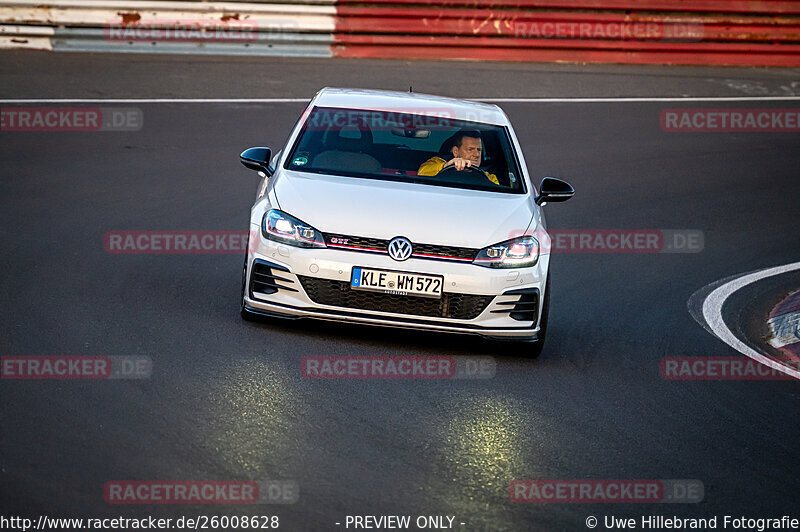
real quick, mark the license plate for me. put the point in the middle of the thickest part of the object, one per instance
(398, 283)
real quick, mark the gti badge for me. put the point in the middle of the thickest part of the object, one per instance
(400, 248)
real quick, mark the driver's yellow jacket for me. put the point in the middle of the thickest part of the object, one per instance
(434, 165)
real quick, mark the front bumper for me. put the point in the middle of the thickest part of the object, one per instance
(290, 282)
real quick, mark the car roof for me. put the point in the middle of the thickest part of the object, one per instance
(410, 102)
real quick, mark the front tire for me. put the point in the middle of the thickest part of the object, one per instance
(536, 347)
(246, 314)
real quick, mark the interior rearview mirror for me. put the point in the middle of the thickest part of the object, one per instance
(411, 133)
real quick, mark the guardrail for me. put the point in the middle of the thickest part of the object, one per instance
(735, 32)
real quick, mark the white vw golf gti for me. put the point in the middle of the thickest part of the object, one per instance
(401, 210)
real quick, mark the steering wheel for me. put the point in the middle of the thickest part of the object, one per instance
(471, 168)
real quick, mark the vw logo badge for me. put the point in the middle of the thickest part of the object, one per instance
(400, 248)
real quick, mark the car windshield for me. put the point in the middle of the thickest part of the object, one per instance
(406, 147)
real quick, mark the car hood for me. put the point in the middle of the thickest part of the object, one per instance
(422, 213)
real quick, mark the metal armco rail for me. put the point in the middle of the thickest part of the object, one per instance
(736, 32)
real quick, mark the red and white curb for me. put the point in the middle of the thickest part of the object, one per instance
(710, 312)
(784, 325)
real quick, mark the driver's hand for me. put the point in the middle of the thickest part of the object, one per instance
(459, 163)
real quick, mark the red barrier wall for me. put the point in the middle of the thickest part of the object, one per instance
(717, 32)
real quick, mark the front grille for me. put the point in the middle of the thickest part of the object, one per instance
(421, 251)
(339, 294)
(364, 243)
(445, 251)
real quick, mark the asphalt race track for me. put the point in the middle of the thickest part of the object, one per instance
(226, 399)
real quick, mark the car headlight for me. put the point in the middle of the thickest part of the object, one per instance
(517, 253)
(279, 226)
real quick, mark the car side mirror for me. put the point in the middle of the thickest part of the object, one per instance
(553, 190)
(257, 159)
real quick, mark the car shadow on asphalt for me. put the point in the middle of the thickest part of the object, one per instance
(392, 340)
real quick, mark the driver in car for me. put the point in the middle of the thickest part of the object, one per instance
(467, 150)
